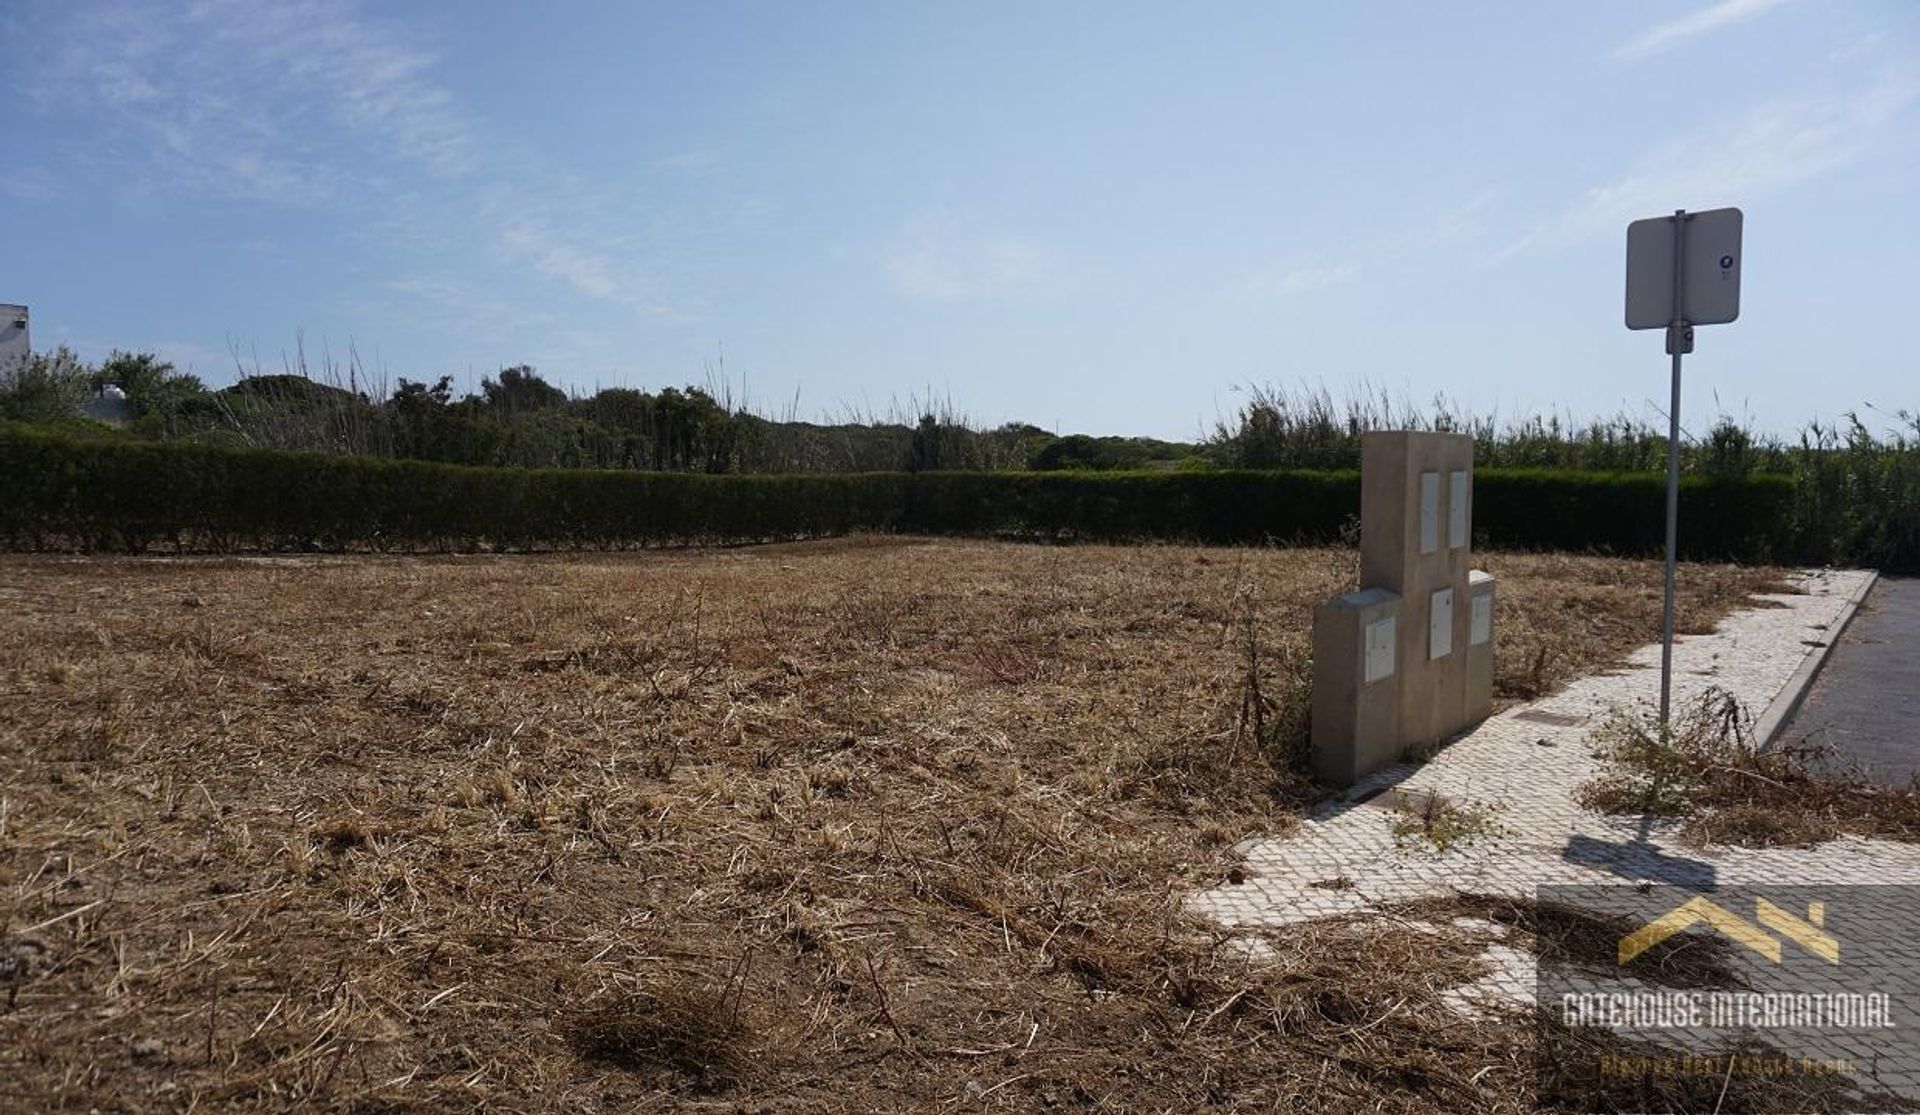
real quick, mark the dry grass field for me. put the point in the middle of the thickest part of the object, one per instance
(874, 824)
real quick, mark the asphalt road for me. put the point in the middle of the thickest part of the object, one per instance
(1866, 702)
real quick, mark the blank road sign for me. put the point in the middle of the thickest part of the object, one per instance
(1712, 295)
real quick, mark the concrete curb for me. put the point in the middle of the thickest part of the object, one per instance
(1766, 730)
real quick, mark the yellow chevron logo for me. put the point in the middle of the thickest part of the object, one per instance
(1809, 932)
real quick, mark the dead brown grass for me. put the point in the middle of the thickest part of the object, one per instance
(1593, 1069)
(1562, 934)
(1558, 616)
(871, 824)
(1590, 1069)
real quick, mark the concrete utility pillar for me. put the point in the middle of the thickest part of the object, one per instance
(1408, 660)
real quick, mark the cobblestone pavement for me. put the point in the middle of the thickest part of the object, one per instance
(1523, 766)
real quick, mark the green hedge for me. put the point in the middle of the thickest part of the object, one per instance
(142, 495)
(1745, 519)
(1119, 506)
(121, 494)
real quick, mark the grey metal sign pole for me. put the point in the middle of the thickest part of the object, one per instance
(1679, 340)
(1682, 271)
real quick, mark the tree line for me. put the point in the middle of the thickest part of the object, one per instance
(1856, 488)
(518, 418)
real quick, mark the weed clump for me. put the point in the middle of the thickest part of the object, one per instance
(692, 1031)
(1443, 824)
(1704, 769)
(344, 834)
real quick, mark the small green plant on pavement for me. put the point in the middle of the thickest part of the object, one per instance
(1441, 823)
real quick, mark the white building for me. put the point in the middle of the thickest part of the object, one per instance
(13, 333)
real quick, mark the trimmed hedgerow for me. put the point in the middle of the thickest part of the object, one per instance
(1118, 506)
(143, 495)
(1743, 519)
(120, 494)
(1747, 518)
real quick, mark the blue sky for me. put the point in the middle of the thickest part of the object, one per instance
(1098, 217)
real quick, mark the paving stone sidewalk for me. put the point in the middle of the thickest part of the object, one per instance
(1525, 764)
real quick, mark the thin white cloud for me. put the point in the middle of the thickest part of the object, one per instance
(1774, 147)
(1286, 282)
(925, 274)
(688, 162)
(457, 307)
(557, 253)
(537, 245)
(1705, 21)
(934, 260)
(1862, 47)
(1306, 279)
(271, 103)
(1469, 220)
(313, 104)
(1382, 254)
(373, 83)
(28, 184)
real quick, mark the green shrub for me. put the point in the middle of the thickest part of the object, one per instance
(48, 388)
(1217, 507)
(138, 495)
(123, 493)
(1857, 494)
(1741, 519)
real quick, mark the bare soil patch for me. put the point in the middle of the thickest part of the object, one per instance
(868, 825)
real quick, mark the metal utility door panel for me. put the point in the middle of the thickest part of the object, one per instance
(1482, 620)
(1440, 624)
(1379, 649)
(1429, 512)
